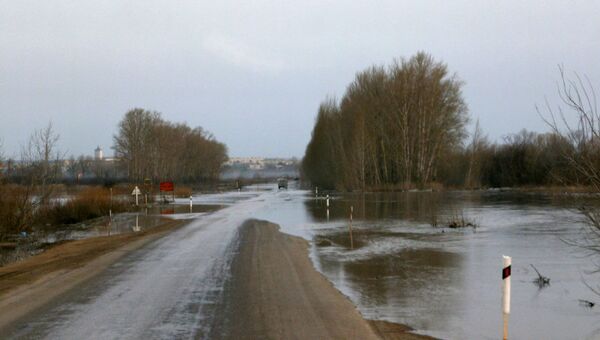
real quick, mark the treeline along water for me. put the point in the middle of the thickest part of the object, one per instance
(403, 126)
(391, 126)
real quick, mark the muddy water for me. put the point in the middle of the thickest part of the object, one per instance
(446, 282)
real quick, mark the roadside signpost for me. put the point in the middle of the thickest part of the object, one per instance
(167, 187)
(136, 192)
(147, 188)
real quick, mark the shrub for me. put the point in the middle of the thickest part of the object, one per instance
(87, 204)
(16, 210)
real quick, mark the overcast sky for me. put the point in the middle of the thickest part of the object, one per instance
(254, 72)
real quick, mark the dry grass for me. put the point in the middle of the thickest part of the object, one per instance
(182, 191)
(89, 203)
(399, 187)
(16, 211)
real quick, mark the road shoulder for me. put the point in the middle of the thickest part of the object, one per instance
(275, 293)
(28, 285)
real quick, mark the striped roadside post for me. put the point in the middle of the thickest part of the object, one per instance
(506, 268)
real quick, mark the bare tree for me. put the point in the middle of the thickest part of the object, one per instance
(578, 122)
(38, 171)
(478, 144)
(41, 156)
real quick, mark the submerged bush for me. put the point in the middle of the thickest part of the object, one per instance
(87, 204)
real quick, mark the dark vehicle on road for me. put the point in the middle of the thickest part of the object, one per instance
(282, 183)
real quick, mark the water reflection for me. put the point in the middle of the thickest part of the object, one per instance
(425, 206)
(445, 282)
(128, 222)
(171, 209)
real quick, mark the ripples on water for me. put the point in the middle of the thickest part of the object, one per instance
(446, 282)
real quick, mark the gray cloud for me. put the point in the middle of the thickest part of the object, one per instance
(254, 72)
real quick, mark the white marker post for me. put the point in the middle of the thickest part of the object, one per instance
(110, 208)
(506, 270)
(191, 204)
(137, 223)
(350, 227)
(327, 208)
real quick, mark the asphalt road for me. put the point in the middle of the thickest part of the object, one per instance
(164, 290)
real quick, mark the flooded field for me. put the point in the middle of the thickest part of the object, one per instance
(447, 282)
(151, 216)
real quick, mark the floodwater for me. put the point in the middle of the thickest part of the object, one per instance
(150, 217)
(397, 266)
(447, 282)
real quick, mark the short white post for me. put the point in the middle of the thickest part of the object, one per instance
(137, 223)
(350, 227)
(109, 220)
(191, 203)
(316, 191)
(506, 271)
(327, 201)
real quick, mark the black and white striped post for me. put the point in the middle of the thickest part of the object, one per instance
(506, 268)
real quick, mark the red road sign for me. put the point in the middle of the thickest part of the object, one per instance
(167, 186)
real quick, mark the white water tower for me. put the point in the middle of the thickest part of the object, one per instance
(98, 154)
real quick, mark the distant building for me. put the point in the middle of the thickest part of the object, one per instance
(255, 167)
(98, 154)
(254, 163)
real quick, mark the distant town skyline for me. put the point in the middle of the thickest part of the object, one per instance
(254, 73)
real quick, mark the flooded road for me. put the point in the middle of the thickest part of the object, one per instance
(164, 290)
(397, 267)
(447, 282)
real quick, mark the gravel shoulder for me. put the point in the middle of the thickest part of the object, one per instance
(275, 293)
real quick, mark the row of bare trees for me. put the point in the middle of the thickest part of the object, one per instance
(150, 147)
(404, 126)
(390, 127)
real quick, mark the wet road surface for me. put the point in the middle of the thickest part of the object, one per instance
(163, 290)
